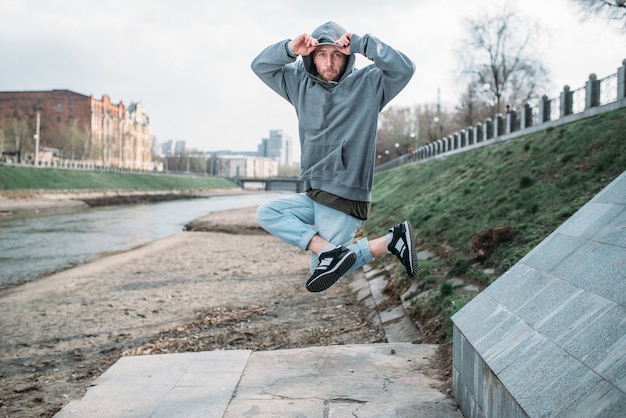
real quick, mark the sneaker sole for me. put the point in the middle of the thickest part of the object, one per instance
(329, 278)
(410, 236)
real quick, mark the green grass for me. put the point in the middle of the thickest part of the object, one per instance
(531, 184)
(24, 179)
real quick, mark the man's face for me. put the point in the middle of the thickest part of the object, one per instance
(329, 62)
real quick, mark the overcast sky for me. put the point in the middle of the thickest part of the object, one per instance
(188, 61)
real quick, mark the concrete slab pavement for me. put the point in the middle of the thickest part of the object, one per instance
(370, 380)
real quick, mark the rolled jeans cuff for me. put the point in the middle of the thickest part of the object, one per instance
(307, 237)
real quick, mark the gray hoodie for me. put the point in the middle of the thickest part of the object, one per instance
(337, 120)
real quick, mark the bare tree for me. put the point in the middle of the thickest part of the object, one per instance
(499, 67)
(610, 9)
(22, 134)
(16, 136)
(401, 130)
(474, 105)
(74, 145)
(396, 130)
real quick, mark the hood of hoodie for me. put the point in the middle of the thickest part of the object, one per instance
(327, 34)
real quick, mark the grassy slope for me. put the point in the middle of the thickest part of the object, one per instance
(532, 184)
(29, 178)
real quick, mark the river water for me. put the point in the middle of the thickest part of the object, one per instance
(35, 246)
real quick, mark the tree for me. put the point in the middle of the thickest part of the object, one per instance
(75, 144)
(401, 130)
(396, 130)
(610, 9)
(473, 105)
(22, 135)
(498, 65)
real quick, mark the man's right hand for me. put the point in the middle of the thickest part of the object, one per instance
(303, 44)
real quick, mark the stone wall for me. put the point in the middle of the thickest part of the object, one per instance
(548, 338)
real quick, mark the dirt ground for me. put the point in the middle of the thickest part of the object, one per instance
(225, 285)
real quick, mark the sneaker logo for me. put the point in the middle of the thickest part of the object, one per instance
(400, 248)
(324, 264)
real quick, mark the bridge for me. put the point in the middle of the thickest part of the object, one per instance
(291, 184)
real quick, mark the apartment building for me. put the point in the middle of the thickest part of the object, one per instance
(76, 130)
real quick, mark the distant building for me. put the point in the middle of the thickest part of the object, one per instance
(277, 146)
(241, 166)
(137, 139)
(82, 129)
(172, 148)
(273, 155)
(180, 147)
(167, 148)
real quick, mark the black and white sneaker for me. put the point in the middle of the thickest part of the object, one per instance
(333, 264)
(402, 245)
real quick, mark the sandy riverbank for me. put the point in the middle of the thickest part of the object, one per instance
(230, 286)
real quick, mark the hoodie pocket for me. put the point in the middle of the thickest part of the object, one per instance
(323, 160)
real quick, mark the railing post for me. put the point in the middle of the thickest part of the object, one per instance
(488, 129)
(463, 136)
(478, 133)
(544, 109)
(470, 135)
(498, 128)
(566, 102)
(527, 116)
(511, 121)
(592, 92)
(621, 81)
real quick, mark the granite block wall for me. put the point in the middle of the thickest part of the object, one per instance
(548, 338)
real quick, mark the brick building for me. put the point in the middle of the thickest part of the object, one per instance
(75, 130)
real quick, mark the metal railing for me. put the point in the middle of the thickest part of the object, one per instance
(597, 96)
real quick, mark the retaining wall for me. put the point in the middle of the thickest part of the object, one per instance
(548, 338)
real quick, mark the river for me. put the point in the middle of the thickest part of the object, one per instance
(35, 246)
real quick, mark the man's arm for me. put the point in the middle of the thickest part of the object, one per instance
(275, 66)
(396, 68)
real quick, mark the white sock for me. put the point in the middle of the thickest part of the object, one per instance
(388, 238)
(328, 248)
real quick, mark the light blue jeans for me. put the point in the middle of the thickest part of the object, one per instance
(296, 218)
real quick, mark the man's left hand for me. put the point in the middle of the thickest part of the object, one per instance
(344, 43)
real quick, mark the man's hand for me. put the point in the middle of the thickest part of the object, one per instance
(343, 43)
(305, 44)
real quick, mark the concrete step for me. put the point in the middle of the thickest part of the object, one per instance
(369, 380)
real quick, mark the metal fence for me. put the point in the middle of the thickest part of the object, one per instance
(595, 97)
